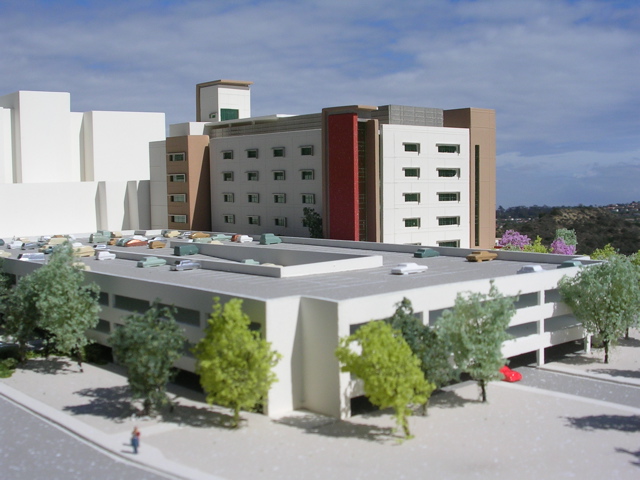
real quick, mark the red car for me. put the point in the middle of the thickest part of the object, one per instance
(510, 375)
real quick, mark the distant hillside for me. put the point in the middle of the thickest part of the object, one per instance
(595, 227)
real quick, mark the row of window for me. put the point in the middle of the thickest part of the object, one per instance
(254, 176)
(229, 197)
(442, 221)
(442, 147)
(442, 172)
(255, 220)
(276, 152)
(442, 197)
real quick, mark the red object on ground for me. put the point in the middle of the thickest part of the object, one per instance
(510, 375)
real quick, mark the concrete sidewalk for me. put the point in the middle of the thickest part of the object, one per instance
(522, 432)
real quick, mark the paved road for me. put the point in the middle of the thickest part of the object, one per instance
(584, 387)
(32, 448)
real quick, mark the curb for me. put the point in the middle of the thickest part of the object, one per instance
(603, 377)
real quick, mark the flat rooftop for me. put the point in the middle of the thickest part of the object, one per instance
(327, 269)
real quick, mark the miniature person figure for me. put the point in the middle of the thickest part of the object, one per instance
(135, 439)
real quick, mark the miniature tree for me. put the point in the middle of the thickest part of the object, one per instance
(21, 315)
(313, 221)
(536, 246)
(605, 298)
(66, 307)
(54, 300)
(234, 363)
(512, 240)
(569, 237)
(475, 329)
(558, 246)
(425, 343)
(148, 345)
(604, 253)
(388, 369)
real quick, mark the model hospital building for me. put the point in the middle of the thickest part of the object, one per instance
(393, 174)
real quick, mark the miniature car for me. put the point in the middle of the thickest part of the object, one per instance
(151, 262)
(407, 268)
(98, 238)
(570, 263)
(135, 242)
(15, 244)
(31, 257)
(170, 233)
(83, 251)
(1, 242)
(530, 269)
(199, 235)
(426, 253)
(481, 256)
(105, 255)
(157, 244)
(242, 239)
(181, 265)
(29, 246)
(510, 375)
(269, 239)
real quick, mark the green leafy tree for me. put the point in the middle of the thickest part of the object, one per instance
(21, 315)
(568, 236)
(475, 329)
(388, 369)
(536, 246)
(425, 343)
(66, 306)
(148, 345)
(313, 221)
(234, 363)
(605, 297)
(604, 253)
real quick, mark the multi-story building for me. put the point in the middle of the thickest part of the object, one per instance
(73, 171)
(384, 174)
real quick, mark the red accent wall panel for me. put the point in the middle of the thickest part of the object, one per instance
(342, 143)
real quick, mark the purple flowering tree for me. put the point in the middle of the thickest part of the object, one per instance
(512, 240)
(558, 246)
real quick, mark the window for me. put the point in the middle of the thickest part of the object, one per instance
(252, 153)
(178, 177)
(449, 243)
(176, 157)
(227, 197)
(280, 221)
(411, 172)
(308, 198)
(306, 150)
(253, 219)
(229, 114)
(412, 147)
(130, 304)
(411, 197)
(448, 148)
(448, 172)
(449, 197)
(178, 218)
(278, 175)
(307, 174)
(178, 198)
(229, 219)
(278, 152)
(227, 155)
(412, 222)
(279, 198)
(448, 220)
(252, 176)
(227, 176)
(253, 198)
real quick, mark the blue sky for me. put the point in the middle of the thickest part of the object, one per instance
(563, 76)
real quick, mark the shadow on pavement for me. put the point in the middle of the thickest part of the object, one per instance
(617, 373)
(52, 365)
(110, 402)
(622, 423)
(635, 454)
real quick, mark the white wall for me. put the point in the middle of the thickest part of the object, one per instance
(118, 144)
(6, 146)
(216, 97)
(158, 184)
(428, 185)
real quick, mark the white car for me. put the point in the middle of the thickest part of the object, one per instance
(15, 244)
(407, 268)
(244, 239)
(104, 255)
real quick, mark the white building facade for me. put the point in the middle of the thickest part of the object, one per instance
(70, 171)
